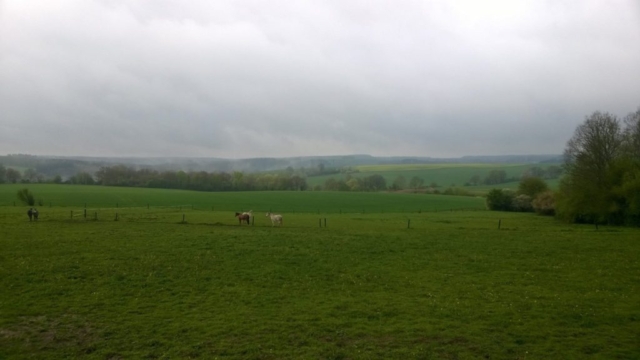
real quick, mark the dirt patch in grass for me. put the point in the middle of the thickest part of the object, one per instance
(44, 332)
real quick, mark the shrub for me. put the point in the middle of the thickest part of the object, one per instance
(544, 203)
(499, 200)
(455, 191)
(26, 197)
(522, 203)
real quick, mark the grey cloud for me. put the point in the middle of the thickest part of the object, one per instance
(244, 79)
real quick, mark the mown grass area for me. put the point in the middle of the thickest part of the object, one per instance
(94, 197)
(452, 286)
(444, 175)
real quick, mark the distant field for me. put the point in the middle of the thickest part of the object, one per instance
(280, 201)
(413, 167)
(444, 175)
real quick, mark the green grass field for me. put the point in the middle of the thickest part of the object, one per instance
(96, 197)
(452, 286)
(444, 175)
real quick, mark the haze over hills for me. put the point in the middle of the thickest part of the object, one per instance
(70, 165)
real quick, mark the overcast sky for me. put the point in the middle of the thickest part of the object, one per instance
(242, 79)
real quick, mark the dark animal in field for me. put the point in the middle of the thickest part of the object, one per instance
(33, 214)
(243, 217)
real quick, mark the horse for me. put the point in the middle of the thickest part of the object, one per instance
(275, 218)
(33, 214)
(243, 217)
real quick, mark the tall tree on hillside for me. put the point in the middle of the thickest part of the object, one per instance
(2, 174)
(632, 135)
(589, 158)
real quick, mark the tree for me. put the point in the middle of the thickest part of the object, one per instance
(373, 182)
(12, 175)
(499, 200)
(534, 171)
(475, 180)
(522, 203)
(553, 172)
(354, 184)
(82, 178)
(416, 182)
(544, 203)
(332, 184)
(26, 197)
(399, 183)
(3, 171)
(496, 177)
(532, 186)
(30, 175)
(589, 158)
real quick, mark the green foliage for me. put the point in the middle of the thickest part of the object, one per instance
(532, 186)
(496, 177)
(26, 197)
(416, 182)
(456, 191)
(82, 178)
(12, 175)
(601, 171)
(443, 174)
(399, 183)
(120, 175)
(500, 200)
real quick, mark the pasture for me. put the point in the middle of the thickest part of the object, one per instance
(452, 286)
(98, 197)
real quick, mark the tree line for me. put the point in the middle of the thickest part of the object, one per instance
(120, 175)
(498, 176)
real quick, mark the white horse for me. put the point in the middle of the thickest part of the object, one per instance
(275, 219)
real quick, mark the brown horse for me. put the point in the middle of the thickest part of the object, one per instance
(243, 217)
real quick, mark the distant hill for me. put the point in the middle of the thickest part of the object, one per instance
(71, 165)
